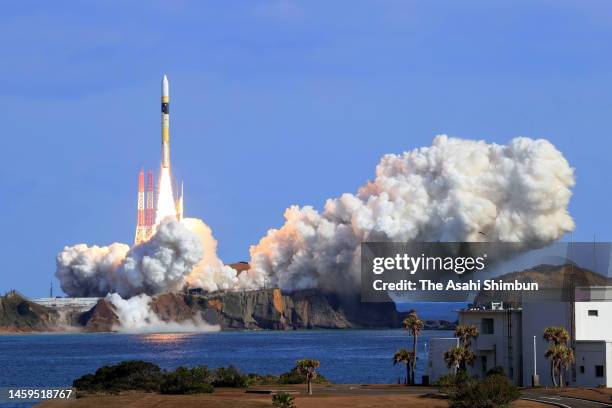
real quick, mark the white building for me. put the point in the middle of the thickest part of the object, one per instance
(499, 341)
(506, 338)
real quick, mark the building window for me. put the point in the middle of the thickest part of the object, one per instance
(487, 326)
(593, 313)
(581, 369)
(599, 371)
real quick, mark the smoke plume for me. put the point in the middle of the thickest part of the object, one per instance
(162, 263)
(158, 265)
(455, 190)
(89, 271)
(135, 315)
(210, 273)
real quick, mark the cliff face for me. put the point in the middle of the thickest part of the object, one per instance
(307, 309)
(100, 318)
(268, 309)
(17, 314)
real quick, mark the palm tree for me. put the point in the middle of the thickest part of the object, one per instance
(466, 334)
(558, 353)
(459, 357)
(553, 355)
(566, 357)
(404, 356)
(561, 356)
(414, 325)
(453, 357)
(308, 367)
(556, 335)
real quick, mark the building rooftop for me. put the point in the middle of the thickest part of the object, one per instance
(494, 307)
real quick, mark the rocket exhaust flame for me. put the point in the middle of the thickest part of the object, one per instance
(166, 207)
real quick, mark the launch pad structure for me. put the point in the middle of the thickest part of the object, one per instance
(154, 206)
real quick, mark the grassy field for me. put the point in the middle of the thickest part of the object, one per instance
(344, 396)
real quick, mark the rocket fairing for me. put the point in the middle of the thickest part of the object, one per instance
(165, 122)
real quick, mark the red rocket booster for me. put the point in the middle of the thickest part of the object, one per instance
(141, 202)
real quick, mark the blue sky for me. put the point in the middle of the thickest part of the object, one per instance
(277, 103)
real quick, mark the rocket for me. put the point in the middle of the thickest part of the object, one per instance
(166, 204)
(165, 122)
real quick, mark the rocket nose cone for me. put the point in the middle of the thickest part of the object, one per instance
(165, 86)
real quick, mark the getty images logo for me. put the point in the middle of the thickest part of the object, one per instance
(414, 264)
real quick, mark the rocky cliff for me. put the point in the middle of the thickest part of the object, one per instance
(100, 318)
(17, 314)
(306, 309)
(259, 309)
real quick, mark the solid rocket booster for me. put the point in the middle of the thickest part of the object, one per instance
(165, 122)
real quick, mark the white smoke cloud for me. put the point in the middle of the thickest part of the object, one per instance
(162, 263)
(158, 265)
(135, 315)
(210, 273)
(89, 271)
(455, 190)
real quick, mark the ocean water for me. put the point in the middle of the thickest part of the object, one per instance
(346, 356)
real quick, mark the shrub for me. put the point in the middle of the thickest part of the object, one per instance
(497, 370)
(85, 383)
(450, 382)
(283, 400)
(495, 391)
(127, 375)
(229, 377)
(445, 383)
(502, 391)
(295, 376)
(261, 379)
(185, 380)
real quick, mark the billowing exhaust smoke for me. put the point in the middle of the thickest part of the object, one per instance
(210, 273)
(455, 190)
(136, 315)
(89, 271)
(158, 265)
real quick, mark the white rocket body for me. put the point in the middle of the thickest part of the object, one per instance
(166, 206)
(165, 122)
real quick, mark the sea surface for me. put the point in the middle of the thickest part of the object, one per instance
(346, 356)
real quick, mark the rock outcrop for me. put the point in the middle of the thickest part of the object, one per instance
(17, 314)
(266, 309)
(306, 309)
(100, 318)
